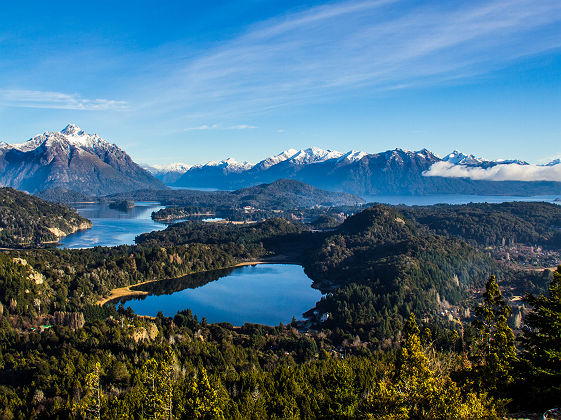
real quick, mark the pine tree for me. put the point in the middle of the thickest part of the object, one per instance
(493, 353)
(414, 391)
(542, 343)
(158, 381)
(90, 405)
(203, 400)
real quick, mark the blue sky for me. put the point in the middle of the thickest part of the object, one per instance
(187, 81)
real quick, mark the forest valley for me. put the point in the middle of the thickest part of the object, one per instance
(420, 319)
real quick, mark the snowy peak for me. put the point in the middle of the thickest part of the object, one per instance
(314, 155)
(177, 167)
(459, 158)
(552, 163)
(228, 165)
(71, 130)
(273, 160)
(352, 156)
(71, 135)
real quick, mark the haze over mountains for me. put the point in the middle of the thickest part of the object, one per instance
(391, 172)
(71, 159)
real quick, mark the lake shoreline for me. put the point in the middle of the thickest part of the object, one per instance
(127, 292)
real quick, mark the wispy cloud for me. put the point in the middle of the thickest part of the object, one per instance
(361, 46)
(504, 172)
(57, 100)
(220, 127)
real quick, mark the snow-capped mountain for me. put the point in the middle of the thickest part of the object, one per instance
(391, 172)
(168, 173)
(554, 162)
(170, 167)
(71, 159)
(229, 165)
(459, 158)
(354, 171)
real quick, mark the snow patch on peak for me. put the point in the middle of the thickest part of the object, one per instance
(228, 165)
(70, 135)
(71, 129)
(459, 158)
(353, 156)
(273, 160)
(169, 167)
(314, 155)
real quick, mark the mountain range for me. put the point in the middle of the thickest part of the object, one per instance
(72, 160)
(391, 172)
(72, 163)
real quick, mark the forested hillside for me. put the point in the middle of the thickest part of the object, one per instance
(378, 267)
(484, 224)
(27, 221)
(404, 329)
(280, 194)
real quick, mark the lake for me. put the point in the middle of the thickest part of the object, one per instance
(264, 294)
(112, 227)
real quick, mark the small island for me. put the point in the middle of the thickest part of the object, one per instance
(121, 205)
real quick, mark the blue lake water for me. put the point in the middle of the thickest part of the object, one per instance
(113, 227)
(264, 294)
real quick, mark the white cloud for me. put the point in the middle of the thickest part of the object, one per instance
(242, 127)
(202, 127)
(501, 172)
(219, 127)
(56, 100)
(385, 45)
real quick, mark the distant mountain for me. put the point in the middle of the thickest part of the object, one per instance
(459, 158)
(73, 160)
(169, 173)
(391, 172)
(27, 221)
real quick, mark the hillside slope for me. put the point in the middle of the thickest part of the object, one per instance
(28, 221)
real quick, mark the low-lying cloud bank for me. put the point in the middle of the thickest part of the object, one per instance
(500, 172)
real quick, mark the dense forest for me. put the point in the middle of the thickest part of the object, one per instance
(400, 332)
(27, 221)
(121, 365)
(484, 224)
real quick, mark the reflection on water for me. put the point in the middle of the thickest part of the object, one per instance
(113, 227)
(265, 294)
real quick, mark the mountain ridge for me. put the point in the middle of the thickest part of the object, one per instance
(390, 172)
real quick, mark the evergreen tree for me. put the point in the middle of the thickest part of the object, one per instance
(414, 391)
(493, 353)
(203, 400)
(158, 382)
(542, 344)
